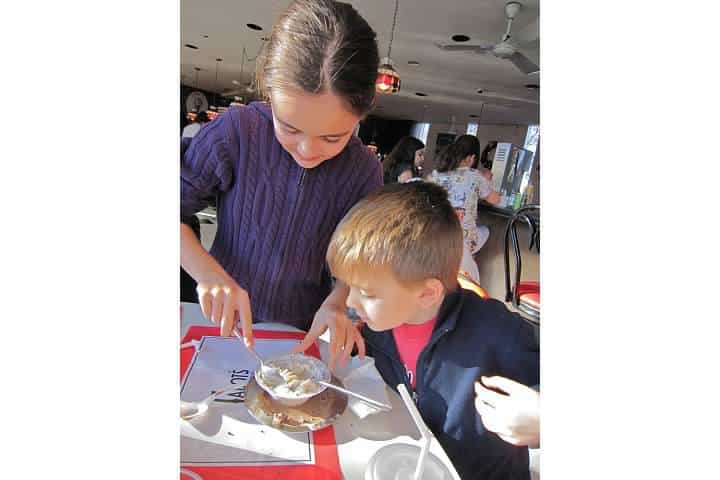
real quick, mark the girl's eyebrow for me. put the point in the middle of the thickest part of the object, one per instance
(294, 128)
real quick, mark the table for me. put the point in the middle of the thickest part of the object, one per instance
(357, 440)
(504, 212)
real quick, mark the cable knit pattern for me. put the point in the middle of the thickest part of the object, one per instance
(275, 218)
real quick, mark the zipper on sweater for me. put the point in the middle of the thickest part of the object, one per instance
(291, 223)
(298, 200)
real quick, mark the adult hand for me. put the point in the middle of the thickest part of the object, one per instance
(343, 335)
(223, 301)
(515, 417)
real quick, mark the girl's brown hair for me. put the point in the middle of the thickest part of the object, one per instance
(402, 154)
(454, 153)
(319, 46)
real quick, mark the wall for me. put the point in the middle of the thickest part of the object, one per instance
(502, 133)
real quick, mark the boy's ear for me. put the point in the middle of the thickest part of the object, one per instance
(431, 293)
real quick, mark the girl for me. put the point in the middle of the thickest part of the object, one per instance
(284, 173)
(465, 187)
(405, 161)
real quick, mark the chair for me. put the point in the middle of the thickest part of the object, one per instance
(525, 296)
(469, 284)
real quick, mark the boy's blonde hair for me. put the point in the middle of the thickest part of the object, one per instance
(410, 228)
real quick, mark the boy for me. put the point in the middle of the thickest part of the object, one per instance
(399, 251)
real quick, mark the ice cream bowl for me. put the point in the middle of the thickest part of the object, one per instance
(293, 381)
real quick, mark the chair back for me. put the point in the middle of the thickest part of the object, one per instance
(469, 284)
(530, 308)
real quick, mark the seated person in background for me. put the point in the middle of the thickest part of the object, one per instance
(399, 251)
(404, 161)
(194, 128)
(514, 415)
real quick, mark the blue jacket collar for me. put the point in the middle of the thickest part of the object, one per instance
(446, 322)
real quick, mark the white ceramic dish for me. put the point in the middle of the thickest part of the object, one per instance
(294, 385)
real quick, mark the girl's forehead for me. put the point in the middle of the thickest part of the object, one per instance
(321, 114)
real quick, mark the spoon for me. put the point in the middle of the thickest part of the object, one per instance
(370, 401)
(190, 410)
(265, 371)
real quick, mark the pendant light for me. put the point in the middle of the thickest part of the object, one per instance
(249, 87)
(217, 67)
(452, 128)
(388, 79)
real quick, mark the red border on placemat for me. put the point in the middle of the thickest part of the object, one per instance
(327, 464)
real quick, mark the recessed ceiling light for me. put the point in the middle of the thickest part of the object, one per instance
(253, 26)
(533, 86)
(421, 94)
(414, 63)
(460, 38)
(189, 45)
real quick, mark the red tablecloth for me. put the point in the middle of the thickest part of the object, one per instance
(327, 464)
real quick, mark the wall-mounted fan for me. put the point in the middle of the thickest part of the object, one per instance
(506, 49)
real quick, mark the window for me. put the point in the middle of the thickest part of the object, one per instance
(532, 137)
(420, 131)
(472, 129)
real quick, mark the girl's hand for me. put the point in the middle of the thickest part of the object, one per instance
(223, 301)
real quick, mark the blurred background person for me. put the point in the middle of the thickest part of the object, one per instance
(193, 128)
(401, 162)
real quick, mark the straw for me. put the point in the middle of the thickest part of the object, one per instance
(424, 432)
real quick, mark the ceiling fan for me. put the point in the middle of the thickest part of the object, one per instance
(505, 49)
(247, 91)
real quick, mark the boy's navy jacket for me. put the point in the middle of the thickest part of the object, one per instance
(472, 337)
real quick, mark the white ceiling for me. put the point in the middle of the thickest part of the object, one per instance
(451, 79)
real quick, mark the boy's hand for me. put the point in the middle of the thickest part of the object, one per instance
(515, 417)
(343, 335)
